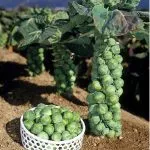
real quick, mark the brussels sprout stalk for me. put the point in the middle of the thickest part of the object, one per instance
(64, 70)
(103, 99)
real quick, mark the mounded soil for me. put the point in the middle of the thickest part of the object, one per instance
(19, 92)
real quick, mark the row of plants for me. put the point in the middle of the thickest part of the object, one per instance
(88, 28)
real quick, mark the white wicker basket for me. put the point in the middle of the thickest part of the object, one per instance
(32, 142)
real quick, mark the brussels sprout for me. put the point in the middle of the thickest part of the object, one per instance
(65, 121)
(108, 116)
(59, 127)
(90, 99)
(100, 61)
(111, 42)
(120, 67)
(98, 97)
(118, 133)
(105, 131)
(37, 128)
(100, 127)
(73, 135)
(111, 124)
(28, 124)
(112, 64)
(96, 85)
(113, 99)
(56, 136)
(46, 111)
(103, 70)
(43, 135)
(63, 85)
(49, 129)
(37, 112)
(117, 116)
(118, 58)
(73, 78)
(71, 72)
(66, 135)
(94, 119)
(55, 110)
(115, 49)
(29, 115)
(63, 109)
(110, 90)
(102, 109)
(41, 50)
(41, 105)
(45, 119)
(72, 127)
(119, 83)
(115, 107)
(57, 117)
(76, 116)
(68, 115)
(107, 80)
(119, 92)
(107, 55)
(92, 108)
(111, 134)
(116, 73)
(90, 88)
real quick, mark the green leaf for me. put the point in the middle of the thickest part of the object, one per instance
(129, 4)
(100, 16)
(30, 32)
(52, 34)
(142, 34)
(81, 10)
(120, 23)
(61, 15)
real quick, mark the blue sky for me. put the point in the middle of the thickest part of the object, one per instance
(48, 3)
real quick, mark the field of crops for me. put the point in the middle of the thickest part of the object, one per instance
(90, 62)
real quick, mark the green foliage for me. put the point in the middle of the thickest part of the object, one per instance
(129, 4)
(52, 122)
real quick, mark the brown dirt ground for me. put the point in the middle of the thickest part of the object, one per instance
(28, 92)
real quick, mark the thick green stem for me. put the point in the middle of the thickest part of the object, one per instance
(106, 88)
(64, 70)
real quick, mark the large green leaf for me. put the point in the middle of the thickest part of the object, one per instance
(81, 10)
(61, 15)
(142, 34)
(100, 16)
(51, 34)
(120, 23)
(30, 32)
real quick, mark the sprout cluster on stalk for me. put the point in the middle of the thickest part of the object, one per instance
(105, 89)
(64, 70)
(35, 58)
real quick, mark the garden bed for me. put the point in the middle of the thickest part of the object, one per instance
(19, 93)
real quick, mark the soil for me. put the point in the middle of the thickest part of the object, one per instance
(18, 93)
